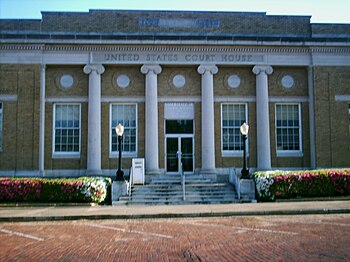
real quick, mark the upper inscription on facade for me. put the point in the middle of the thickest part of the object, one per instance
(176, 58)
(179, 22)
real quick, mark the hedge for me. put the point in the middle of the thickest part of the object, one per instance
(78, 190)
(272, 185)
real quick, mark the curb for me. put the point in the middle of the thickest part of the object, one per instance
(178, 215)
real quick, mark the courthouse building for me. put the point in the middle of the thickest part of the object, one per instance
(177, 81)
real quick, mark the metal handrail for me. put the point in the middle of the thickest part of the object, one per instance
(183, 182)
(183, 177)
(130, 183)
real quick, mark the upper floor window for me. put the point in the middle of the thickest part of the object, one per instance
(66, 129)
(232, 117)
(0, 126)
(288, 128)
(125, 114)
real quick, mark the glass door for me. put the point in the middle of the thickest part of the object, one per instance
(172, 146)
(179, 138)
(185, 146)
(187, 153)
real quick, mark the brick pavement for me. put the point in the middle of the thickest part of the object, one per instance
(39, 213)
(266, 238)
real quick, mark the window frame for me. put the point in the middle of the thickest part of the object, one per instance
(233, 153)
(115, 154)
(1, 126)
(65, 154)
(290, 153)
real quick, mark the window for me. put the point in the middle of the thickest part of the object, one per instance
(0, 126)
(288, 128)
(349, 126)
(232, 117)
(66, 128)
(125, 114)
(179, 126)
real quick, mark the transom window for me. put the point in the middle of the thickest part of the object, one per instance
(179, 126)
(125, 114)
(232, 117)
(67, 127)
(0, 126)
(288, 128)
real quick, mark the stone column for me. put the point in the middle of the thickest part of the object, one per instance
(94, 119)
(262, 116)
(42, 121)
(312, 117)
(208, 138)
(151, 121)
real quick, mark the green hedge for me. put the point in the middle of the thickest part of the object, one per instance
(78, 190)
(272, 185)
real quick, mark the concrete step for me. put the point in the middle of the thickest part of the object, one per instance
(172, 202)
(167, 190)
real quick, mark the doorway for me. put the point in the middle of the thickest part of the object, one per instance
(179, 136)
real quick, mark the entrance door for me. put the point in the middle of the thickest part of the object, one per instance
(185, 146)
(179, 137)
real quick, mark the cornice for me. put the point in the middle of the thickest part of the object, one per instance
(24, 47)
(330, 50)
(208, 49)
(170, 48)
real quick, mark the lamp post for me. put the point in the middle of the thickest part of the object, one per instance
(244, 131)
(119, 129)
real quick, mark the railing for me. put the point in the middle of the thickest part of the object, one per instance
(183, 182)
(183, 176)
(129, 184)
(234, 179)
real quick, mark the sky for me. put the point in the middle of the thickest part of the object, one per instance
(322, 11)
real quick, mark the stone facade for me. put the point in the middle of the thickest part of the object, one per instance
(204, 59)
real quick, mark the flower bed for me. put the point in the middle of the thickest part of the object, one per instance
(273, 185)
(78, 190)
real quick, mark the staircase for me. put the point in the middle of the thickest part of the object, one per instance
(167, 190)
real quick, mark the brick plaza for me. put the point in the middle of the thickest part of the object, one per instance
(264, 238)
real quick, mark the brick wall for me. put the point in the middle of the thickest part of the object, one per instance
(331, 117)
(21, 117)
(20, 24)
(118, 21)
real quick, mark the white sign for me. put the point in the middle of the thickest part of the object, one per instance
(179, 111)
(138, 171)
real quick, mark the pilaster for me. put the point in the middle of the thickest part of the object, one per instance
(42, 120)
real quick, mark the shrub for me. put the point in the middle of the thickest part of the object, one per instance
(83, 189)
(273, 185)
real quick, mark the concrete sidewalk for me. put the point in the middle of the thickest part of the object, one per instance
(42, 213)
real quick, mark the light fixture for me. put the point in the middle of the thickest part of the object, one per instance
(244, 131)
(119, 130)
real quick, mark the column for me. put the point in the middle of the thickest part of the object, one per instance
(312, 117)
(208, 126)
(94, 119)
(262, 116)
(42, 121)
(151, 121)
